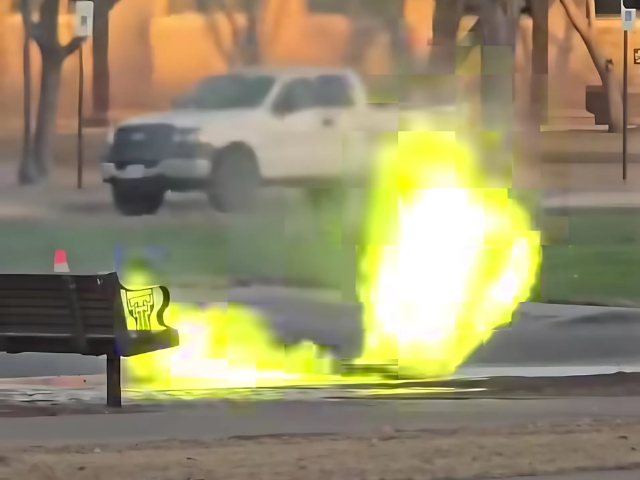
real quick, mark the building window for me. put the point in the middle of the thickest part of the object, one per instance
(607, 7)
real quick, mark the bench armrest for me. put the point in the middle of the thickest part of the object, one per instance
(143, 305)
(143, 308)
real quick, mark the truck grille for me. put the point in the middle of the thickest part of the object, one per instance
(142, 144)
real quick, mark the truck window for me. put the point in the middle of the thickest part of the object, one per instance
(333, 91)
(221, 92)
(295, 96)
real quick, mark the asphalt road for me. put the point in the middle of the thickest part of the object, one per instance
(223, 420)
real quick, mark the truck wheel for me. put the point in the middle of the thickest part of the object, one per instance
(235, 180)
(132, 201)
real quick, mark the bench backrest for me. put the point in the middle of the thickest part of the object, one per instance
(85, 314)
(60, 304)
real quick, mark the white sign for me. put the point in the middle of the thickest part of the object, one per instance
(84, 19)
(628, 17)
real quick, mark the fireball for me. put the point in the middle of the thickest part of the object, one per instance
(446, 260)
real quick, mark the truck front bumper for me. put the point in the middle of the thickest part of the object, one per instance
(174, 174)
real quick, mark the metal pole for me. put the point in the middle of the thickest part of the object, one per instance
(80, 102)
(625, 91)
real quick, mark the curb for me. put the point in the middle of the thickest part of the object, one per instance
(74, 381)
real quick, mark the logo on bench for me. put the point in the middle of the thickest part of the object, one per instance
(140, 304)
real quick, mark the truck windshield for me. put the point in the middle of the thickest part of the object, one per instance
(228, 92)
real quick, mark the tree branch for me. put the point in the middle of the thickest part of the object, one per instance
(72, 46)
(603, 64)
(230, 15)
(203, 7)
(591, 13)
(37, 34)
(581, 24)
(250, 42)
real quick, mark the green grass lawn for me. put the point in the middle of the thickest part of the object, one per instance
(256, 248)
(597, 260)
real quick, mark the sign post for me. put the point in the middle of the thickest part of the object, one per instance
(84, 29)
(628, 23)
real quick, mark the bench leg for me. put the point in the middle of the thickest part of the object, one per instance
(114, 387)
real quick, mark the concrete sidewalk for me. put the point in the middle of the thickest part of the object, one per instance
(582, 199)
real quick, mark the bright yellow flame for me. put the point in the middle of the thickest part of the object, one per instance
(228, 346)
(445, 261)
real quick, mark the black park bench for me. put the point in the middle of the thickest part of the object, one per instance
(83, 314)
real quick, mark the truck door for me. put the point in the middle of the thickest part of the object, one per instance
(295, 143)
(336, 99)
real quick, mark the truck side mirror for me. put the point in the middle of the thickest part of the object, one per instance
(283, 106)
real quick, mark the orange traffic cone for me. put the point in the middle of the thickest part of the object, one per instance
(60, 264)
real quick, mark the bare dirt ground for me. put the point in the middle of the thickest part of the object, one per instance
(470, 453)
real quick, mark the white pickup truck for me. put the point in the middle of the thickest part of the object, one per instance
(235, 132)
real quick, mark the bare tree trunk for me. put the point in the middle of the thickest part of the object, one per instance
(27, 173)
(603, 64)
(245, 44)
(498, 64)
(564, 47)
(396, 26)
(47, 115)
(101, 78)
(539, 60)
(363, 34)
(206, 8)
(441, 62)
(250, 48)
(368, 19)
(233, 52)
(499, 21)
(45, 33)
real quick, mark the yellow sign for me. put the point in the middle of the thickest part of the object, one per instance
(140, 304)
